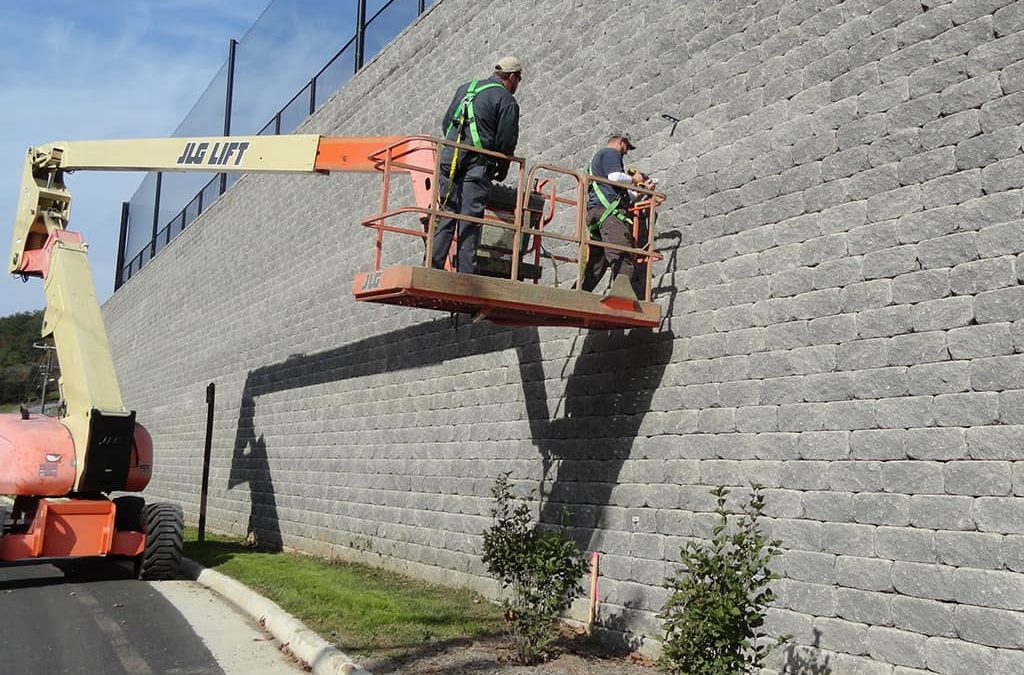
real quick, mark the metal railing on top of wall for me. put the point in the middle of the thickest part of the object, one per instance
(142, 215)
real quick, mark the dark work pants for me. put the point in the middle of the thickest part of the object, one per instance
(599, 259)
(466, 196)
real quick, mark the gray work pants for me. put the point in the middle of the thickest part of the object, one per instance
(599, 259)
(466, 196)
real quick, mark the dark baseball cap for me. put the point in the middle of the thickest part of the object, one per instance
(622, 137)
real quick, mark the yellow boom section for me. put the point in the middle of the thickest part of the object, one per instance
(41, 246)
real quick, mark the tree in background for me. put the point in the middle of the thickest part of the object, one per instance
(19, 368)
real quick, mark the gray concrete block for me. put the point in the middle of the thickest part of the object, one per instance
(913, 477)
(887, 321)
(921, 286)
(936, 444)
(867, 295)
(905, 61)
(939, 378)
(841, 636)
(898, 144)
(999, 515)
(898, 647)
(864, 606)
(983, 275)
(1008, 662)
(918, 111)
(890, 262)
(1011, 78)
(1008, 19)
(963, 38)
(848, 538)
(890, 205)
(948, 251)
(870, 182)
(1005, 111)
(990, 147)
(997, 373)
(1004, 239)
(942, 512)
(926, 617)
(967, 409)
(927, 165)
(868, 574)
(970, 549)
(906, 413)
(923, 581)
(805, 597)
(1002, 175)
(881, 509)
(988, 588)
(872, 237)
(879, 382)
(878, 444)
(954, 656)
(953, 189)
(981, 212)
(951, 130)
(999, 305)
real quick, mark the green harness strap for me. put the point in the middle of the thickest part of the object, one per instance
(465, 110)
(610, 207)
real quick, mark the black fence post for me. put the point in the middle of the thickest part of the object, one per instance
(156, 214)
(211, 395)
(229, 89)
(360, 33)
(312, 96)
(122, 241)
(422, 7)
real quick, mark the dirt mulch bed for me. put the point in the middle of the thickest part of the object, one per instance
(572, 654)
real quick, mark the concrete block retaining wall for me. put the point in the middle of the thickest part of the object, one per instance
(845, 324)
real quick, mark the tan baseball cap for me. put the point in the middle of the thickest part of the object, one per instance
(508, 64)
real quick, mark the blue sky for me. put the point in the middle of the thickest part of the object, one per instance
(72, 70)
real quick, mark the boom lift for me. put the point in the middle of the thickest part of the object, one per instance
(63, 470)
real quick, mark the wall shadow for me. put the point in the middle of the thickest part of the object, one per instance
(606, 397)
(251, 466)
(397, 350)
(807, 660)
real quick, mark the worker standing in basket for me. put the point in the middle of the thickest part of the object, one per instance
(607, 217)
(484, 114)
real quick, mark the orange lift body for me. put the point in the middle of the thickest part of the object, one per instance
(38, 459)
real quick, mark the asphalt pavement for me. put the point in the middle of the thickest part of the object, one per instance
(92, 617)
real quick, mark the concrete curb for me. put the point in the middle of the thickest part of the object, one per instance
(323, 658)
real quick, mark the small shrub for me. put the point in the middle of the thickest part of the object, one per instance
(542, 569)
(713, 621)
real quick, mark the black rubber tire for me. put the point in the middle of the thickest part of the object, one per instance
(128, 514)
(165, 532)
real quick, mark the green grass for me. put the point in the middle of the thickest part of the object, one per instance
(8, 407)
(362, 610)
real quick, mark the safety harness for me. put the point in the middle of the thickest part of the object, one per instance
(610, 207)
(462, 113)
